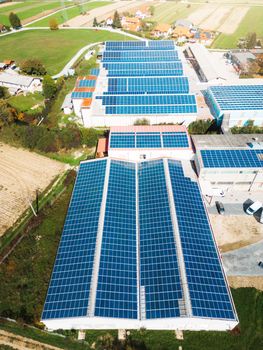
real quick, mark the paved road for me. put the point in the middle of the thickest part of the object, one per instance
(244, 261)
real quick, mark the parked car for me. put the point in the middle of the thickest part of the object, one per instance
(220, 208)
(253, 208)
(260, 264)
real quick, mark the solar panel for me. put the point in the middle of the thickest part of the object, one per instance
(150, 85)
(237, 97)
(229, 158)
(95, 71)
(136, 100)
(122, 140)
(178, 139)
(81, 95)
(87, 83)
(159, 109)
(117, 283)
(139, 45)
(158, 259)
(68, 292)
(148, 140)
(139, 56)
(207, 286)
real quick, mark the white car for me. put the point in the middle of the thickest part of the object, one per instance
(253, 208)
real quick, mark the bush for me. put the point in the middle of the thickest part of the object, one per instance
(247, 129)
(142, 121)
(89, 137)
(7, 113)
(200, 126)
(32, 67)
(49, 87)
(53, 24)
(4, 93)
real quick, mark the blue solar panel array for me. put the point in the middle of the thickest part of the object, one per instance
(237, 97)
(149, 140)
(145, 78)
(229, 158)
(206, 283)
(95, 71)
(138, 249)
(68, 292)
(159, 272)
(81, 95)
(87, 83)
(139, 45)
(149, 85)
(117, 282)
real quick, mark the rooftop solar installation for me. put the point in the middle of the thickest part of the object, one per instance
(95, 71)
(230, 158)
(139, 45)
(81, 95)
(159, 109)
(129, 231)
(149, 140)
(136, 100)
(87, 83)
(237, 97)
(149, 85)
(140, 56)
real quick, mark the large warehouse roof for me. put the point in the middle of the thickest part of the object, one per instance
(143, 78)
(170, 136)
(136, 251)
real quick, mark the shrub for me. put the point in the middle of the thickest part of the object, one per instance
(142, 121)
(89, 137)
(49, 87)
(33, 67)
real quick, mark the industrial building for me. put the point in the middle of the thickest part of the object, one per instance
(231, 162)
(235, 105)
(137, 251)
(138, 79)
(148, 142)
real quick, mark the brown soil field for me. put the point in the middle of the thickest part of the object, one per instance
(244, 282)
(21, 174)
(233, 232)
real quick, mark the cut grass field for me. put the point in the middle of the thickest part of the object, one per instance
(252, 22)
(53, 48)
(67, 14)
(27, 9)
(169, 12)
(24, 103)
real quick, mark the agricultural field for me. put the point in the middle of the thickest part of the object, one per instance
(60, 45)
(21, 174)
(252, 22)
(28, 9)
(169, 12)
(65, 15)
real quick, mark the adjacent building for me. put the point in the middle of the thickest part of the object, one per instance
(230, 162)
(20, 83)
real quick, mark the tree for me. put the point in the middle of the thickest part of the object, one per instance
(89, 137)
(251, 40)
(33, 67)
(116, 20)
(152, 9)
(142, 121)
(95, 22)
(4, 92)
(199, 127)
(14, 20)
(7, 113)
(49, 87)
(53, 24)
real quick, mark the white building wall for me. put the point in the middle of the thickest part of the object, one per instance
(241, 179)
(239, 118)
(182, 323)
(137, 154)
(123, 120)
(77, 106)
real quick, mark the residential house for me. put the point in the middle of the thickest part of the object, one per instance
(132, 24)
(20, 83)
(162, 30)
(182, 32)
(3, 28)
(241, 60)
(109, 22)
(203, 37)
(143, 12)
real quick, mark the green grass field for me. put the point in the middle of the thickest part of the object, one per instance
(27, 9)
(62, 16)
(169, 12)
(252, 22)
(24, 103)
(53, 48)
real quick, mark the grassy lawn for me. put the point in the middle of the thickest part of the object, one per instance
(53, 48)
(63, 16)
(252, 22)
(27, 10)
(24, 103)
(169, 12)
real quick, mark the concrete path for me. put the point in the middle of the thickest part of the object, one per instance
(244, 261)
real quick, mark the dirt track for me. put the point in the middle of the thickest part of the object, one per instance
(21, 174)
